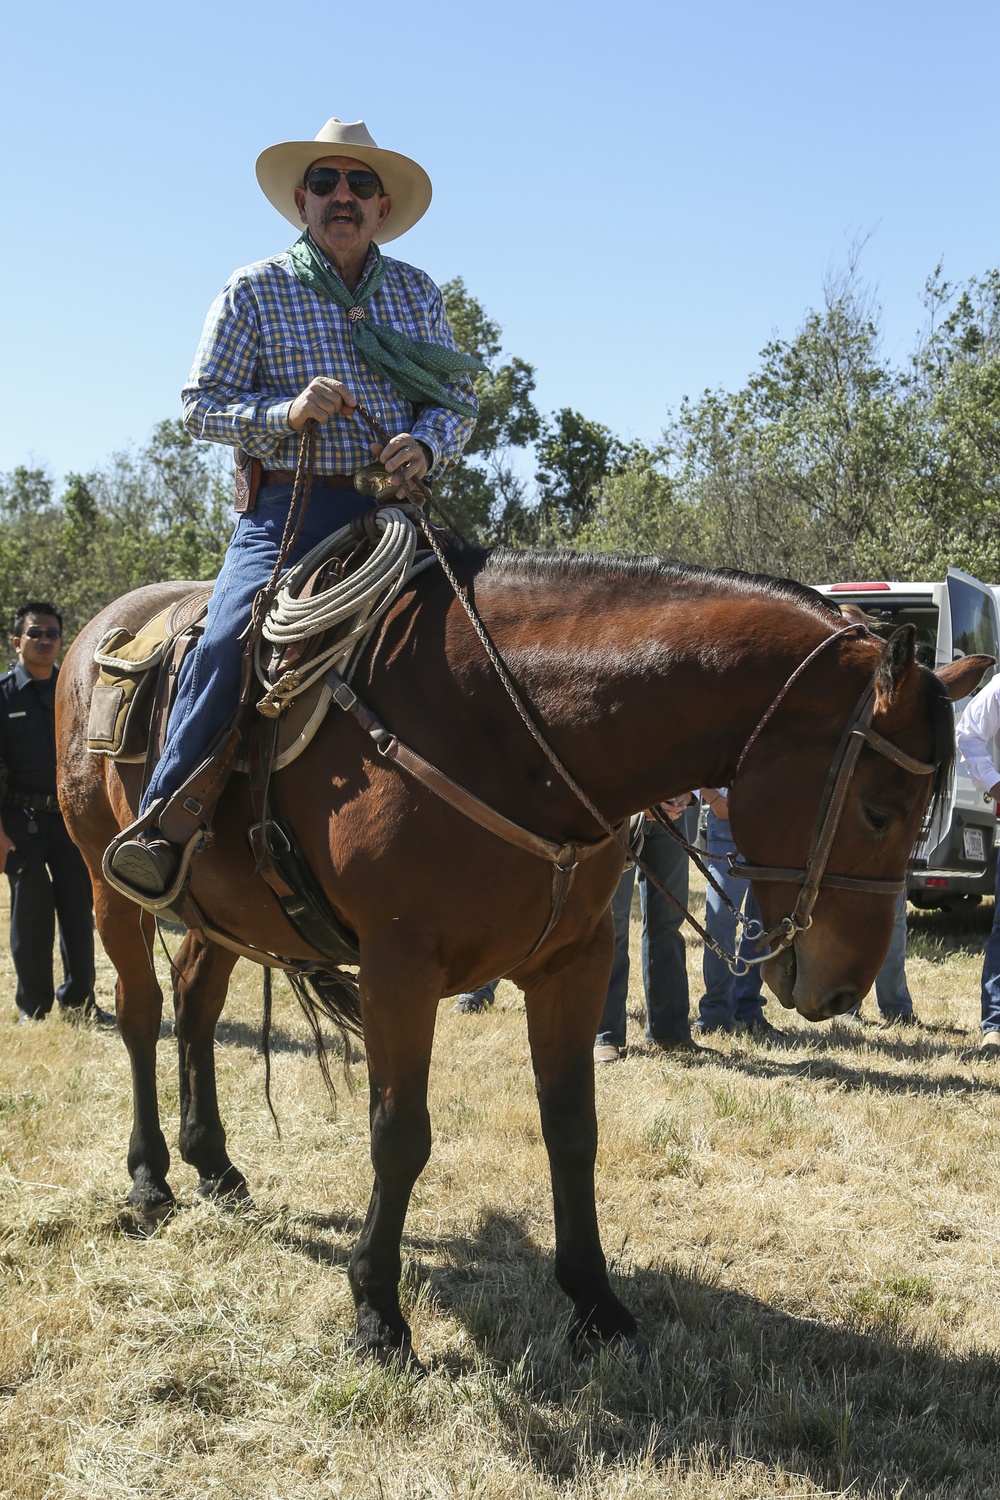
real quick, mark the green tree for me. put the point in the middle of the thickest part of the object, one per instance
(483, 491)
(574, 456)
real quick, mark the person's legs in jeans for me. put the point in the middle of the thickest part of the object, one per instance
(664, 957)
(747, 988)
(991, 969)
(717, 1007)
(210, 674)
(892, 992)
(612, 1025)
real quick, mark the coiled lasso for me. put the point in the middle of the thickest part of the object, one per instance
(355, 603)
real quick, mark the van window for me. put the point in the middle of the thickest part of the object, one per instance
(971, 630)
(886, 614)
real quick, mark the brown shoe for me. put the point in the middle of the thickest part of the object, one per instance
(606, 1052)
(149, 868)
(987, 1051)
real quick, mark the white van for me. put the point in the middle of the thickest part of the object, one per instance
(956, 859)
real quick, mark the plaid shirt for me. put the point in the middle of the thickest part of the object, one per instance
(267, 335)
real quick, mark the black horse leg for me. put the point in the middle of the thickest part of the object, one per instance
(201, 978)
(398, 1038)
(563, 1010)
(139, 1007)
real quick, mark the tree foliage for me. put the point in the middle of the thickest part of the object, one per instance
(156, 514)
(829, 462)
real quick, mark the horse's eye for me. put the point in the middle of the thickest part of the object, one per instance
(878, 822)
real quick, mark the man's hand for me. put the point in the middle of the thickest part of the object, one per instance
(405, 455)
(674, 806)
(6, 845)
(322, 399)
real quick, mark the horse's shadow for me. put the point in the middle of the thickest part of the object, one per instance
(858, 1403)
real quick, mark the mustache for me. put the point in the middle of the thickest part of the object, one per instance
(334, 208)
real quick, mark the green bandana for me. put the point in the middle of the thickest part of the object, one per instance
(411, 365)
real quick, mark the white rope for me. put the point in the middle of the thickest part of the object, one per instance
(355, 603)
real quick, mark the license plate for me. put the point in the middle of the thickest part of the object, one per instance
(975, 849)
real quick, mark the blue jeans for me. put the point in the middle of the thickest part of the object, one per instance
(664, 967)
(892, 993)
(210, 676)
(728, 998)
(991, 968)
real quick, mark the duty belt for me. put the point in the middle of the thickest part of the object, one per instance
(33, 801)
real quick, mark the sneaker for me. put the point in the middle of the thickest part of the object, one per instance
(607, 1052)
(149, 867)
(705, 1030)
(27, 1017)
(909, 1019)
(473, 1002)
(90, 1014)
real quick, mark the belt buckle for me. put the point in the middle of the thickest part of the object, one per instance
(373, 482)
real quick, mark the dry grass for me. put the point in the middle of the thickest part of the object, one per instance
(808, 1235)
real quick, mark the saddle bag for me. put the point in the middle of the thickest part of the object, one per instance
(122, 697)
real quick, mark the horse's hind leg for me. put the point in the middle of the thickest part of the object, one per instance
(563, 1009)
(399, 1031)
(139, 1008)
(201, 971)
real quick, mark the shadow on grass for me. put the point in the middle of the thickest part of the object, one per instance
(861, 1403)
(822, 1057)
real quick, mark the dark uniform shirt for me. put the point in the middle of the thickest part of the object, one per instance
(27, 733)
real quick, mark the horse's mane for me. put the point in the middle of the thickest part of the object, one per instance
(510, 563)
(514, 564)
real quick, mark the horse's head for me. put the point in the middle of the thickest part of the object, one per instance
(833, 791)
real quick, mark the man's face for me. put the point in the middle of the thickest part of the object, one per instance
(39, 643)
(340, 223)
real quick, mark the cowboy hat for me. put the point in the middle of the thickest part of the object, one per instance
(281, 168)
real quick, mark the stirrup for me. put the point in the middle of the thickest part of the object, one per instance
(150, 900)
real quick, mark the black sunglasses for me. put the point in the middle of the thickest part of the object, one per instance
(36, 634)
(323, 181)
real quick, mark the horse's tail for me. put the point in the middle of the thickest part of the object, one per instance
(324, 994)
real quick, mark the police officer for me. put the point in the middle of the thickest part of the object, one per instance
(46, 872)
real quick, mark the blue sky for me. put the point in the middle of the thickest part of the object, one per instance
(640, 194)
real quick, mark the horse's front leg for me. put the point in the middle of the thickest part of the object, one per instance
(398, 1011)
(201, 973)
(564, 1007)
(139, 1008)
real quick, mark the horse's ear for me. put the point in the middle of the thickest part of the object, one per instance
(963, 676)
(896, 660)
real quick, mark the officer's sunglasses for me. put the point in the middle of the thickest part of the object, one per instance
(323, 181)
(35, 634)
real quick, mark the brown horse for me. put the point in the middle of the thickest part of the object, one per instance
(647, 679)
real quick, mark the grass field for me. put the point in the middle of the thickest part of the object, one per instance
(809, 1236)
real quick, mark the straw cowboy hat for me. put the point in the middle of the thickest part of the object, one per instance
(281, 168)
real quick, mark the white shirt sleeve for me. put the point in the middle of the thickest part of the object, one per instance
(976, 732)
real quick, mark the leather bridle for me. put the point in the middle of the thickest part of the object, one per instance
(814, 875)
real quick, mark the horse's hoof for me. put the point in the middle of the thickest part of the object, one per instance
(391, 1356)
(230, 1189)
(140, 1219)
(629, 1348)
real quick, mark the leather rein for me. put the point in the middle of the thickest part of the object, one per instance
(564, 858)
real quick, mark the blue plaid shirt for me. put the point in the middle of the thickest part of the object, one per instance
(267, 335)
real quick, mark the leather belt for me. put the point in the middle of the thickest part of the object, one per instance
(320, 481)
(33, 801)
